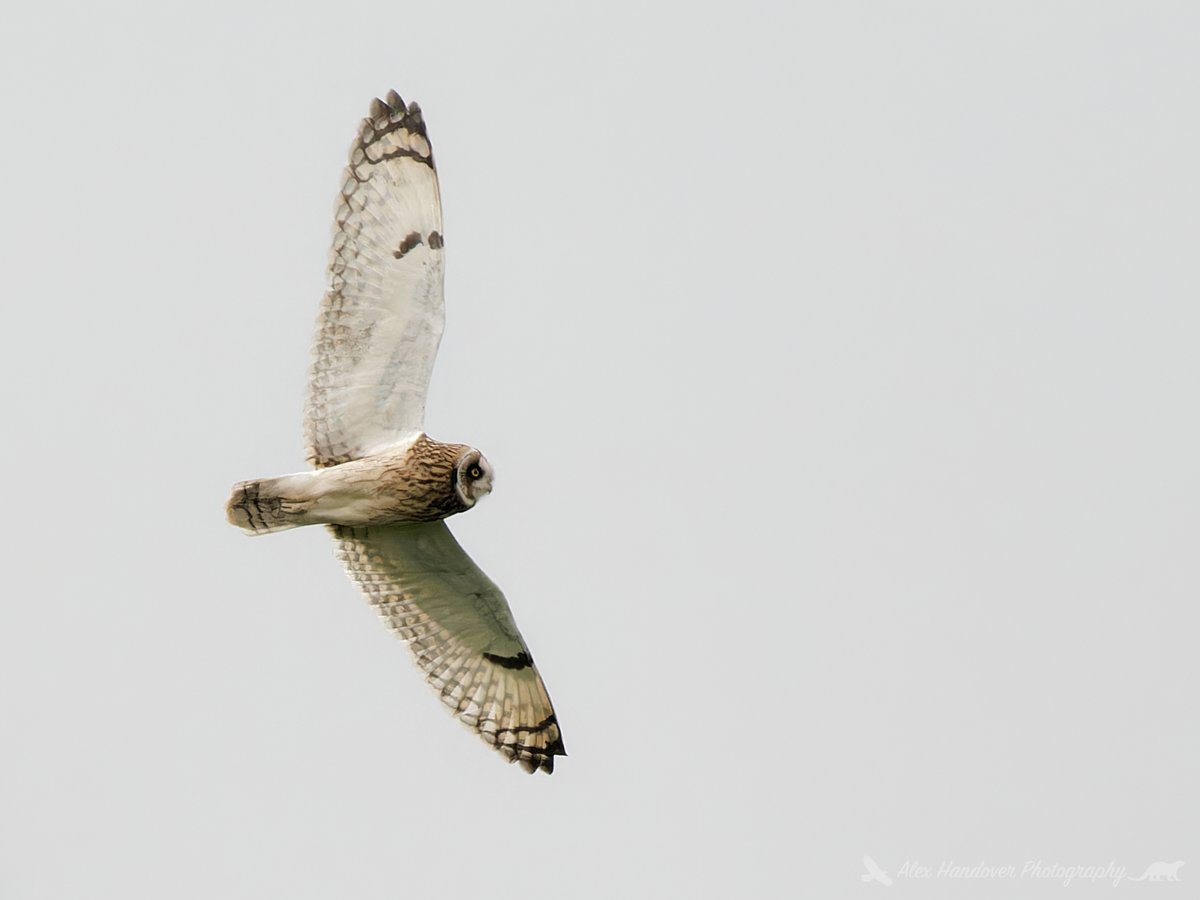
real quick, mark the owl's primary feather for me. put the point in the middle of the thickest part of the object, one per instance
(381, 485)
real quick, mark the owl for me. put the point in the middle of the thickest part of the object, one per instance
(383, 487)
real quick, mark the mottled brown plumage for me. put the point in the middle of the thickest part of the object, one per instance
(424, 481)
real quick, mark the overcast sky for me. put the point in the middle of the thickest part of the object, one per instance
(838, 362)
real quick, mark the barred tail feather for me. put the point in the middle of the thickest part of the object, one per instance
(261, 507)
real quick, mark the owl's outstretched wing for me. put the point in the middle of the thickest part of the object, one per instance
(381, 320)
(461, 632)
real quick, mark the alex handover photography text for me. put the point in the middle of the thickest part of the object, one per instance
(1031, 869)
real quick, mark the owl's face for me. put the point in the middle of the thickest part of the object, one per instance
(472, 477)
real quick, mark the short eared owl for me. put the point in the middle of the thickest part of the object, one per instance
(379, 483)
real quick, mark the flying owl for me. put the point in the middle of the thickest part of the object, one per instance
(382, 486)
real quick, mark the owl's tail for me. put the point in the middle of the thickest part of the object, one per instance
(266, 506)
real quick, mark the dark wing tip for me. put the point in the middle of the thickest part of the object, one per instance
(389, 115)
(541, 759)
(392, 104)
(538, 763)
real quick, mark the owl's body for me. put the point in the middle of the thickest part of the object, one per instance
(419, 480)
(381, 486)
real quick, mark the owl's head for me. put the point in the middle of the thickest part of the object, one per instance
(472, 477)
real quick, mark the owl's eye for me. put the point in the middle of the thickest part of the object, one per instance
(475, 472)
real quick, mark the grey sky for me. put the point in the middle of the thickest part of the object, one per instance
(839, 366)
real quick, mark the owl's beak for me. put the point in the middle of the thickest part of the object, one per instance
(483, 486)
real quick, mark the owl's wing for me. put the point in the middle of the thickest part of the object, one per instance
(381, 320)
(461, 632)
